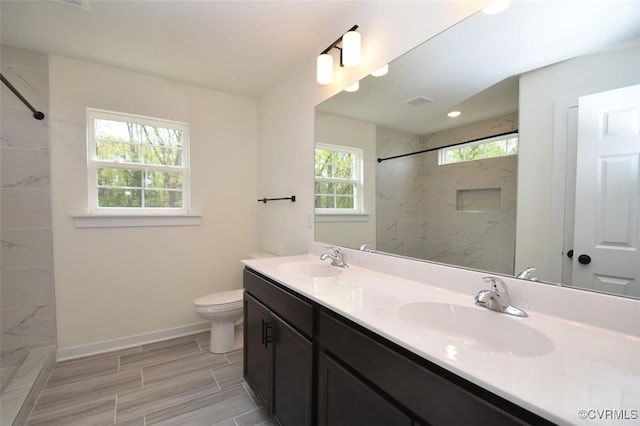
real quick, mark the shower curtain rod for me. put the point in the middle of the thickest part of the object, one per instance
(380, 160)
(36, 114)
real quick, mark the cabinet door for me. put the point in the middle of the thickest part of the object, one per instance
(345, 400)
(256, 348)
(292, 375)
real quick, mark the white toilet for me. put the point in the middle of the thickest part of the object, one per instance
(224, 310)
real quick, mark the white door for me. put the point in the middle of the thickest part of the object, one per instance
(606, 254)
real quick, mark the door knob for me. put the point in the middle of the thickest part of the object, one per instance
(584, 259)
(570, 254)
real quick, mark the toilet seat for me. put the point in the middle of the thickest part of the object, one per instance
(223, 299)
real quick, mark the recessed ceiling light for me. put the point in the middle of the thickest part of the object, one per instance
(454, 114)
(496, 7)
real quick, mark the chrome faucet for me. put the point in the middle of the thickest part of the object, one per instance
(497, 299)
(365, 247)
(337, 257)
(527, 274)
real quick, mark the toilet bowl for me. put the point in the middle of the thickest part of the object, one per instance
(223, 309)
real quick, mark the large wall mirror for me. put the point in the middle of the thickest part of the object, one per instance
(519, 178)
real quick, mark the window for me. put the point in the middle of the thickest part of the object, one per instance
(497, 146)
(137, 164)
(338, 177)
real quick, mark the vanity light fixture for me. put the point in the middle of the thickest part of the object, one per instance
(381, 71)
(496, 7)
(454, 114)
(353, 87)
(349, 55)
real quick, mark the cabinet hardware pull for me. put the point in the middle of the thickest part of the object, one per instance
(268, 333)
(262, 328)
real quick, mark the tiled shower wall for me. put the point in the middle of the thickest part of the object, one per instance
(26, 280)
(421, 205)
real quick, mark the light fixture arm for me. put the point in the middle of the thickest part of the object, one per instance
(335, 44)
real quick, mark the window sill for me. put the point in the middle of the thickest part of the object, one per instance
(348, 217)
(134, 221)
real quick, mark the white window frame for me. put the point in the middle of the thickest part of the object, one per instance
(94, 163)
(442, 152)
(358, 196)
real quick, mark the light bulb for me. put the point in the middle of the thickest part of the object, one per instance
(324, 69)
(351, 49)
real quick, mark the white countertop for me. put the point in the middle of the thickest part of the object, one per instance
(587, 368)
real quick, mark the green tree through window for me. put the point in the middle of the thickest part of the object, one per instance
(498, 146)
(137, 162)
(337, 175)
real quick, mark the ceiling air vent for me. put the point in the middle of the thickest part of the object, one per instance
(419, 100)
(80, 4)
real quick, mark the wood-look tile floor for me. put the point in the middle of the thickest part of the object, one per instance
(173, 382)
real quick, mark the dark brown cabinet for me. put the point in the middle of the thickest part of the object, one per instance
(256, 351)
(344, 400)
(278, 359)
(313, 366)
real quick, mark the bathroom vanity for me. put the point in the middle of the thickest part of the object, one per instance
(330, 346)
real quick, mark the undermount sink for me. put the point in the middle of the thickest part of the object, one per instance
(310, 269)
(477, 329)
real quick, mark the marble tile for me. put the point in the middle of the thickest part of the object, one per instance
(85, 391)
(13, 357)
(36, 387)
(26, 287)
(26, 248)
(30, 369)
(25, 208)
(6, 374)
(18, 129)
(450, 232)
(28, 326)
(205, 411)
(10, 404)
(158, 355)
(409, 229)
(95, 413)
(23, 168)
(183, 366)
(490, 235)
(32, 84)
(165, 394)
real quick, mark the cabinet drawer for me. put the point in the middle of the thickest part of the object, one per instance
(432, 397)
(293, 309)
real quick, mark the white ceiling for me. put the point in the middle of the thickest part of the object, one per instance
(473, 66)
(244, 47)
(240, 47)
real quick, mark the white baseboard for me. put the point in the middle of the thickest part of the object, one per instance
(129, 341)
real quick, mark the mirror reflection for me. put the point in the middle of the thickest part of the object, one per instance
(507, 184)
